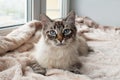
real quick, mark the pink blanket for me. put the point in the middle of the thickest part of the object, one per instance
(15, 48)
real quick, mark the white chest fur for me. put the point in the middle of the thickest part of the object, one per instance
(53, 57)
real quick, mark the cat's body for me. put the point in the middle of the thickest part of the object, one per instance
(60, 57)
(59, 45)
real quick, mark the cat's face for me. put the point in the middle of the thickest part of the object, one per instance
(59, 33)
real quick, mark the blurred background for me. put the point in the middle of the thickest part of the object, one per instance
(18, 12)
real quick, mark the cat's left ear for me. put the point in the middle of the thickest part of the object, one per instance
(71, 17)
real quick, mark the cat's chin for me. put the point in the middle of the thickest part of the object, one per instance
(60, 44)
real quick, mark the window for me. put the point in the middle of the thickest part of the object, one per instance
(12, 12)
(57, 8)
(17, 12)
(53, 8)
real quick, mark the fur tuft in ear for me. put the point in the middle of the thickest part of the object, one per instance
(71, 17)
(45, 19)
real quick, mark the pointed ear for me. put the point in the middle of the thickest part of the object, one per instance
(45, 19)
(71, 17)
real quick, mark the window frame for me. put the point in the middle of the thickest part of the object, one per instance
(38, 7)
(65, 7)
(29, 10)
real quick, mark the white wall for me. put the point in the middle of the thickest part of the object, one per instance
(105, 12)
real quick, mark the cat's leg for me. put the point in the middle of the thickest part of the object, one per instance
(37, 68)
(75, 68)
(90, 49)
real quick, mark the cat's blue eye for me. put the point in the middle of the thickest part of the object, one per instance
(67, 31)
(52, 33)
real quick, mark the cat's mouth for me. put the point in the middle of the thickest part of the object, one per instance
(60, 44)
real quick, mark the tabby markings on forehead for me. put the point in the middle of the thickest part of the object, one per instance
(58, 24)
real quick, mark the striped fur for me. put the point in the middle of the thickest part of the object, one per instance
(59, 46)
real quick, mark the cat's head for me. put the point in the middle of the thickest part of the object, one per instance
(59, 33)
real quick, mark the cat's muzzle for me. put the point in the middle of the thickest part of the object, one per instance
(60, 44)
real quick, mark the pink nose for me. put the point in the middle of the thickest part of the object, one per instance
(60, 37)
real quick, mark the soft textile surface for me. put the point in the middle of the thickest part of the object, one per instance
(100, 64)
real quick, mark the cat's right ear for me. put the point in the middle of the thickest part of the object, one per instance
(45, 19)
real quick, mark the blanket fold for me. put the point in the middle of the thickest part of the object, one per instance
(19, 36)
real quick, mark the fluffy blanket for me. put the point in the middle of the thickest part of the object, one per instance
(101, 64)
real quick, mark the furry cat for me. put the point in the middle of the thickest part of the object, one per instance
(59, 46)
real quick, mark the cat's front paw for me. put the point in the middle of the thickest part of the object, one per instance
(76, 71)
(38, 69)
(75, 68)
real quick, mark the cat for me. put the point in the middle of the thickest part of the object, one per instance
(59, 46)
